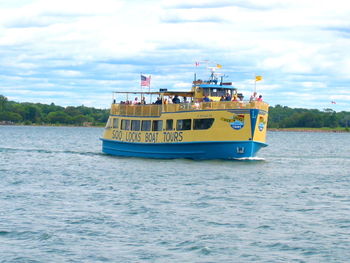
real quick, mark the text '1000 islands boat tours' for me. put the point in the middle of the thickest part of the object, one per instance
(212, 121)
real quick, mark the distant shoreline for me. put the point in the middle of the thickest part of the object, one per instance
(342, 130)
(53, 125)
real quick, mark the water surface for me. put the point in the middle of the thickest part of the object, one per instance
(62, 200)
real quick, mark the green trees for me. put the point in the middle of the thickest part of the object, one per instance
(38, 113)
(3, 101)
(57, 117)
(10, 116)
(32, 113)
(285, 117)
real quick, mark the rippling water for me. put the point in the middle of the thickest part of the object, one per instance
(62, 200)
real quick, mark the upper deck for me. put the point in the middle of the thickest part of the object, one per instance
(149, 110)
(205, 95)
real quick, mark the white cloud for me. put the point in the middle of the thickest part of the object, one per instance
(68, 73)
(299, 47)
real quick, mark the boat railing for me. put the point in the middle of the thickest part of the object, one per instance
(157, 109)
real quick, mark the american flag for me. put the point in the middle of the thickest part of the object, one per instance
(145, 81)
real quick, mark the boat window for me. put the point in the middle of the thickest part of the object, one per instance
(169, 125)
(146, 126)
(217, 92)
(157, 125)
(109, 123)
(202, 124)
(115, 123)
(125, 125)
(206, 92)
(229, 91)
(135, 125)
(183, 124)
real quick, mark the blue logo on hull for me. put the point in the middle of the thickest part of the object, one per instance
(261, 126)
(237, 125)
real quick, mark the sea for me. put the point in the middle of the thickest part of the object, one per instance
(63, 200)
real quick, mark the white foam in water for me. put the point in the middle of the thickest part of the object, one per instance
(250, 159)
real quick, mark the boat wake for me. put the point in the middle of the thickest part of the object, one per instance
(47, 151)
(250, 159)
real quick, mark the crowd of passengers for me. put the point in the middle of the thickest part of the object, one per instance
(176, 99)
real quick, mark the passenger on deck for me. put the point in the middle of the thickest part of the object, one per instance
(206, 99)
(176, 99)
(260, 98)
(222, 98)
(158, 101)
(253, 97)
(135, 101)
(143, 100)
(228, 97)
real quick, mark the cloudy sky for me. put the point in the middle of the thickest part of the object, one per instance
(74, 52)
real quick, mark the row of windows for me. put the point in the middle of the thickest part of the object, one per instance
(218, 92)
(157, 125)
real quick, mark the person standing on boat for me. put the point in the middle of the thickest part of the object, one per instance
(176, 99)
(206, 99)
(260, 98)
(158, 101)
(253, 97)
(135, 101)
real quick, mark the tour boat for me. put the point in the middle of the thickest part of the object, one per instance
(211, 121)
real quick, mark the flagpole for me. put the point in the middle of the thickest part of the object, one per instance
(255, 85)
(254, 82)
(149, 90)
(257, 78)
(149, 86)
(141, 82)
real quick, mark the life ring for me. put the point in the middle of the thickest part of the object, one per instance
(181, 106)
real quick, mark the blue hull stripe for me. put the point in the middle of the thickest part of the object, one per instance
(253, 116)
(190, 150)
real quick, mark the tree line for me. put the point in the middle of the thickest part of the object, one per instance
(37, 113)
(42, 114)
(285, 117)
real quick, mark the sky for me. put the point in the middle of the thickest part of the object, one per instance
(77, 52)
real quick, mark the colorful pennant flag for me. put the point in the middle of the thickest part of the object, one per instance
(218, 66)
(258, 78)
